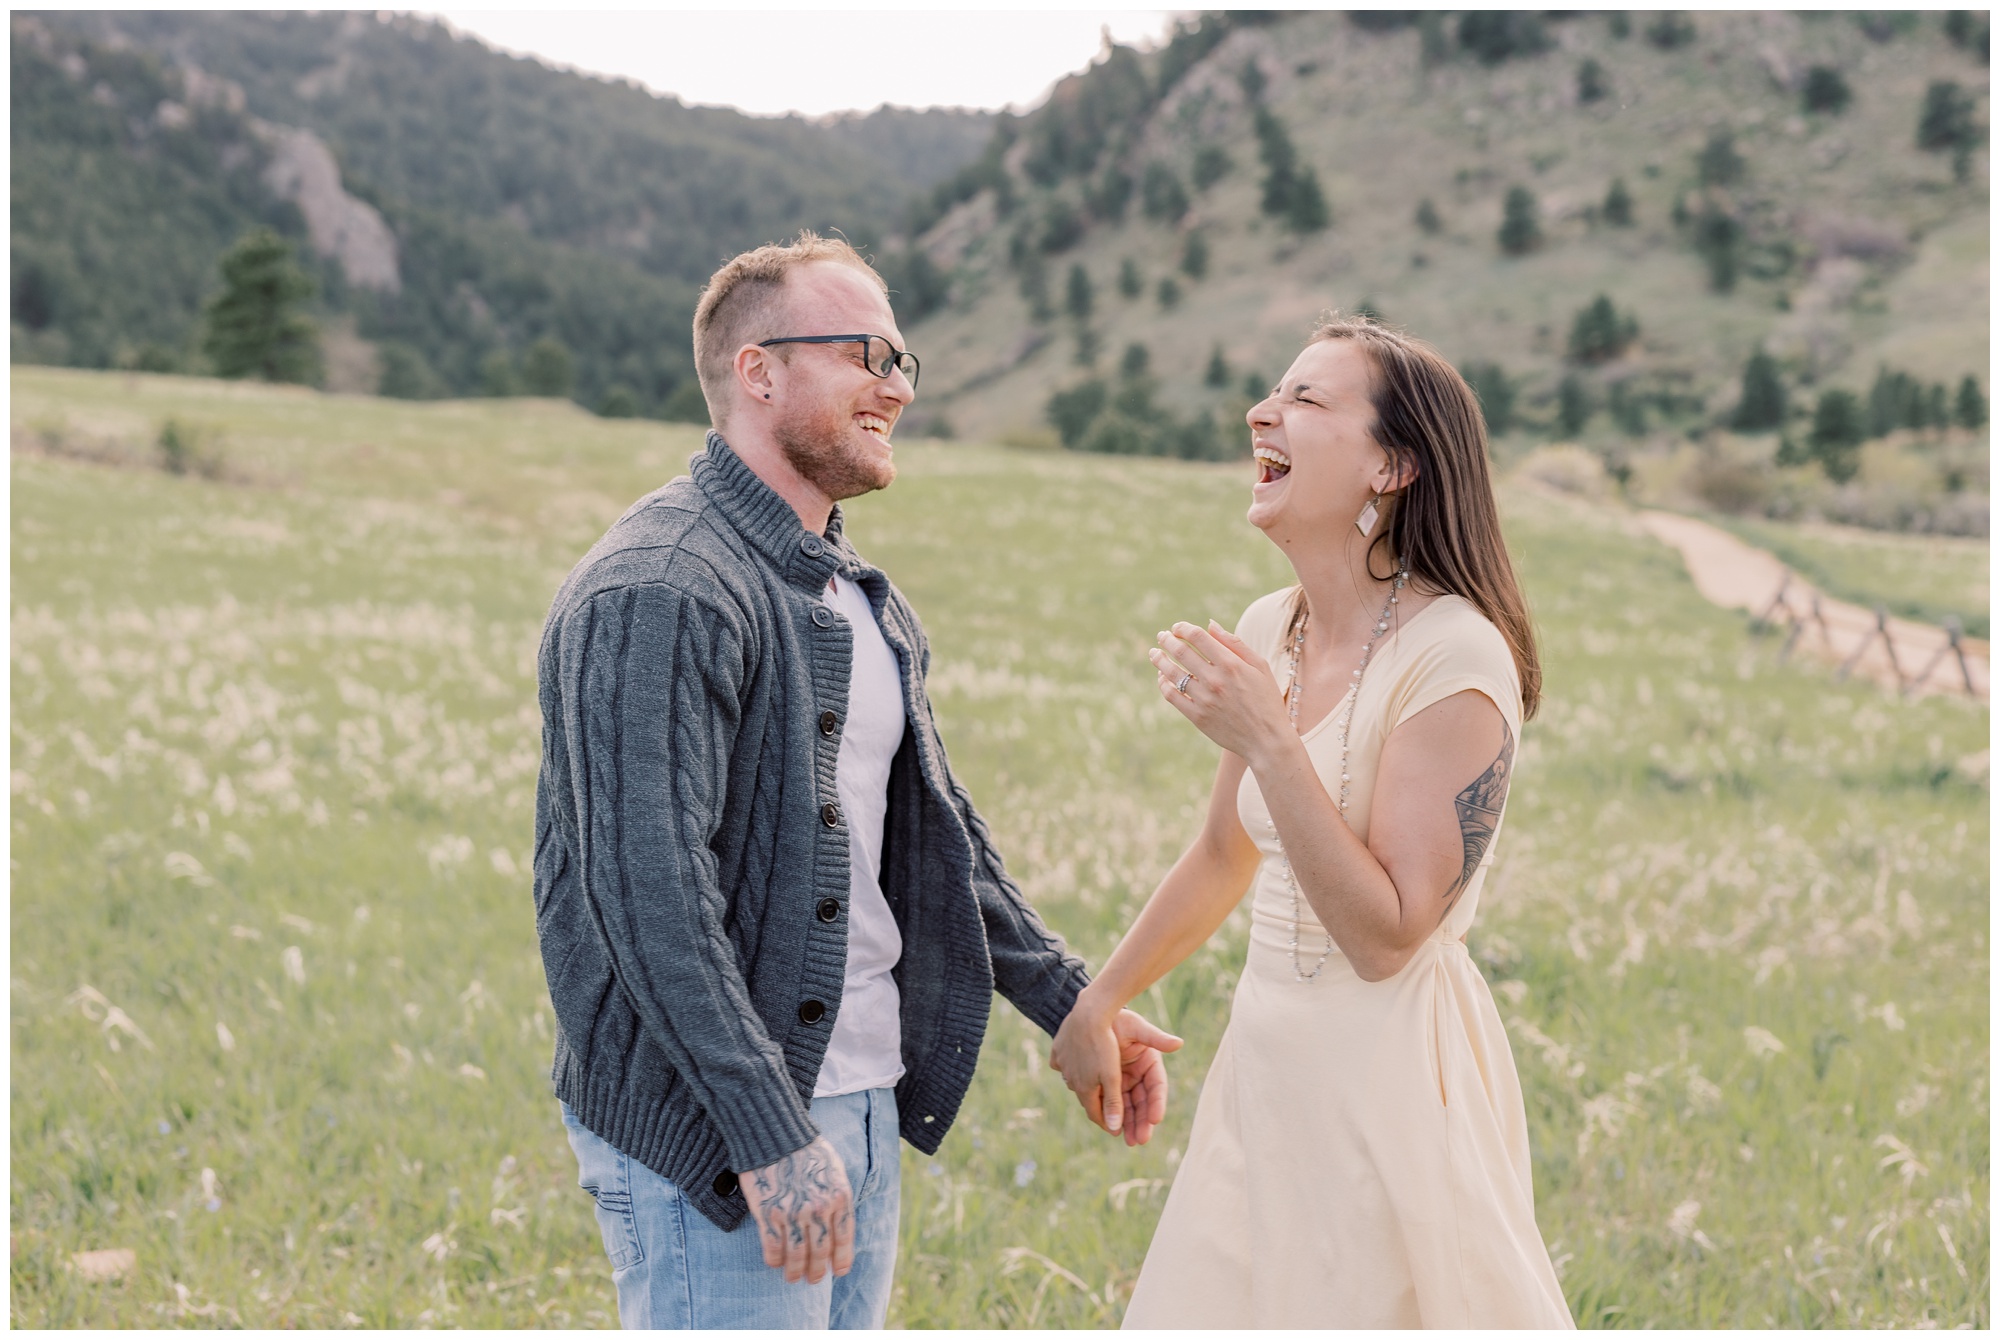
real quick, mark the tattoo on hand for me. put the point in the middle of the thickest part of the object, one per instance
(795, 1194)
(1479, 812)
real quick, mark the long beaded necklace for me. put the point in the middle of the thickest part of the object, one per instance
(1293, 692)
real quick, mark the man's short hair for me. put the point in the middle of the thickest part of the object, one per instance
(746, 296)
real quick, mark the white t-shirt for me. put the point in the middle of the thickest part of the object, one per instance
(866, 1050)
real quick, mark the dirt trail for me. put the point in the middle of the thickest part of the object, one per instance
(1737, 575)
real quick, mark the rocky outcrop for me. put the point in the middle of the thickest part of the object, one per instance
(351, 231)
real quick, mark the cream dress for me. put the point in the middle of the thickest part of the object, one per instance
(1360, 1150)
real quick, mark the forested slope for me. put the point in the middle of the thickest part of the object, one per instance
(523, 201)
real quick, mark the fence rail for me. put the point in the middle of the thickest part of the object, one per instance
(1797, 608)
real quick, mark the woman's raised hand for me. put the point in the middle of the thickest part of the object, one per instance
(1227, 690)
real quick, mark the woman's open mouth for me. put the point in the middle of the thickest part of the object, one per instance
(1272, 464)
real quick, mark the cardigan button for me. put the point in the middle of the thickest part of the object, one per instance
(813, 546)
(829, 909)
(811, 1012)
(822, 616)
(829, 722)
(724, 1183)
(829, 814)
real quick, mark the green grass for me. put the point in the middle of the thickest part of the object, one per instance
(1928, 577)
(297, 712)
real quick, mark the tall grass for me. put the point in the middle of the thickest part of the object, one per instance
(279, 1024)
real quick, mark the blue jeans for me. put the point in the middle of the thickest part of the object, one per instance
(675, 1270)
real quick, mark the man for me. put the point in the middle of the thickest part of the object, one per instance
(770, 918)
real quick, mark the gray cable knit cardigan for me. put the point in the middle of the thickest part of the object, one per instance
(691, 860)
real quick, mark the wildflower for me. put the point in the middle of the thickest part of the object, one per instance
(1762, 1042)
(210, 1193)
(1681, 1224)
(294, 961)
(1024, 1172)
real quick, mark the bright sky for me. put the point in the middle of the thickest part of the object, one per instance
(822, 60)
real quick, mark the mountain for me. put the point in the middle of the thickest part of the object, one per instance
(460, 203)
(1262, 168)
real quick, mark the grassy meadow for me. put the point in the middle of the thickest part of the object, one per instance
(278, 1018)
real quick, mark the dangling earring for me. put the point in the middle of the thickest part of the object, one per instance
(1365, 523)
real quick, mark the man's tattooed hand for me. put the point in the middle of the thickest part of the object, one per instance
(1479, 811)
(804, 1213)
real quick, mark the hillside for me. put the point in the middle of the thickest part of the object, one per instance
(1849, 246)
(461, 202)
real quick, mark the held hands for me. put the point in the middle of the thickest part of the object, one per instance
(1231, 695)
(804, 1212)
(1113, 1067)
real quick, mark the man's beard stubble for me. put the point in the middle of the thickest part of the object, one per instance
(816, 445)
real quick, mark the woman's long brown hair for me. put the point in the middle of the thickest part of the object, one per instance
(1444, 525)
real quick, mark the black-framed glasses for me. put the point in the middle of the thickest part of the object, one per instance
(877, 354)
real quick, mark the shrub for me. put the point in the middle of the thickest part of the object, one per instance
(1194, 256)
(1718, 237)
(1618, 205)
(1838, 430)
(1073, 411)
(1600, 333)
(1078, 296)
(1520, 223)
(1720, 164)
(1116, 434)
(496, 374)
(686, 404)
(1497, 393)
(1670, 30)
(1964, 34)
(1628, 410)
(1211, 164)
(1130, 283)
(916, 283)
(547, 369)
(618, 403)
(1761, 407)
(1062, 226)
(1495, 35)
(1135, 361)
(1307, 212)
(405, 373)
(1427, 217)
(1168, 293)
(1572, 405)
(1591, 84)
(1217, 372)
(1112, 194)
(1161, 194)
(1946, 123)
(1970, 408)
(1826, 90)
(1619, 24)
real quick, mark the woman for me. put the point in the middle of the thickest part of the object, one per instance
(1360, 1151)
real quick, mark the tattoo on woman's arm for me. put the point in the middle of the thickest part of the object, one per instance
(1479, 812)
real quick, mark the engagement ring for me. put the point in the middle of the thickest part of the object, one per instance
(1186, 680)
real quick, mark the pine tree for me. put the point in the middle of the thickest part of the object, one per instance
(1837, 434)
(1135, 362)
(547, 368)
(1217, 374)
(1599, 333)
(1591, 85)
(1130, 283)
(1826, 90)
(1946, 123)
(1761, 407)
(1194, 256)
(496, 374)
(1618, 204)
(1255, 387)
(1497, 393)
(1720, 164)
(1308, 212)
(1718, 237)
(1427, 217)
(1211, 165)
(1163, 196)
(1078, 297)
(1572, 405)
(1520, 225)
(1970, 409)
(254, 327)
(1168, 293)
